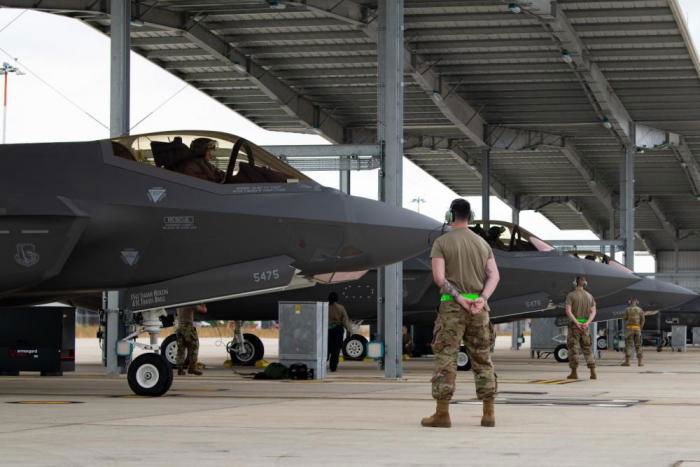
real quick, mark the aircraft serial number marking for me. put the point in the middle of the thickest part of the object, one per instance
(266, 275)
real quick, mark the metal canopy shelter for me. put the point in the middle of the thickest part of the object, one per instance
(556, 91)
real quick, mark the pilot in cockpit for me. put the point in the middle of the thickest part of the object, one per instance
(199, 165)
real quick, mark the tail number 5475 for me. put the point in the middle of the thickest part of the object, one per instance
(265, 276)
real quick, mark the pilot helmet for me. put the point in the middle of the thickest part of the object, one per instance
(199, 146)
(496, 231)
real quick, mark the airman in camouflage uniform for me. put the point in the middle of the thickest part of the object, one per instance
(187, 339)
(581, 310)
(463, 263)
(634, 323)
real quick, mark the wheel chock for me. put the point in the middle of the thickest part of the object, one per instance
(341, 359)
(261, 364)
(227, 363)
(406, 357)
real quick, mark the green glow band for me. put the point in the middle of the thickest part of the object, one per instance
(469, 296)
(582, 320)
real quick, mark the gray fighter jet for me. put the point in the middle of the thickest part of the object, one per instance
(534, 278)
(80, 218)
(653, 295)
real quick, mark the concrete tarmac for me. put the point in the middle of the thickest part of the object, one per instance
(646, 416)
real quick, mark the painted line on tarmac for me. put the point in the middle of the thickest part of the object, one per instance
(39, 402)
(552, 402)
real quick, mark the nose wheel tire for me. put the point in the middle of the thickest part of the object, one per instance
(355, 348)
(561, 353)
(150, 375)
(602, 343)
(168, 349)
(252, 351)
(464, 363)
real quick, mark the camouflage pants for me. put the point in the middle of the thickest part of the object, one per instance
(187, 345)
(633, 338)
(579, 341)
(452, 325)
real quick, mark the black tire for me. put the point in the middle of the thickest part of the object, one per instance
(355, 348)
(561, 353)
(602, 343)
(168, 349)
(150, 375)
(464, 363)
(254, 351)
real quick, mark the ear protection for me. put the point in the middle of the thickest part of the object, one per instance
(450, 214)
(585, 283)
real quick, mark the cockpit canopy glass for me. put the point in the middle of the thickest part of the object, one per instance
(599, 257)
(230, 159)
(505, 236)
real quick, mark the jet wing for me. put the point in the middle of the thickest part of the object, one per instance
(37, 236)
(239, 280)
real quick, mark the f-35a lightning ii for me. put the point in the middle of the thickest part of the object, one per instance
(652, 294)
(80, 218)
(534, 278)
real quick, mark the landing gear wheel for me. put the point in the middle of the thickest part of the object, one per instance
(561, 353)
(602, 343)
(464, 363)
(253, 350)
(168, 349)
(355, 348)
(150, 375)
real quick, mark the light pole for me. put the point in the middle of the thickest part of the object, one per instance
(418, 202)
(5, 70)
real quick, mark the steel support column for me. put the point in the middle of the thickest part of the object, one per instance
(344, 185)
(390, 127)
(611, 232)
(630, 154)
(114, 330)
(119, 68)
(486, 187)
(516, 211)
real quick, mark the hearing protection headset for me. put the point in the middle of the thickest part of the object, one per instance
(450, 214)
(585, 282)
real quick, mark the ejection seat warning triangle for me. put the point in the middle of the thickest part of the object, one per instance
(130, 256)
(157, 194)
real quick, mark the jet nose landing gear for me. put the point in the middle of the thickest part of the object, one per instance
(150, 375)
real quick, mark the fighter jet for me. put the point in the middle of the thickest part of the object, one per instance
(653, 294)
(80, 218)
(534, 278)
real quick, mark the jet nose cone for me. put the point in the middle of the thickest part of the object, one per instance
(657, 294)
(386, 234)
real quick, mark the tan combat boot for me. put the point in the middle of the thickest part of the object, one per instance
(626, 362)
(593, 374)
(180, 371)
(573, 374)
(441, 417)
(639, 361)
(194, 371)
(489, 417)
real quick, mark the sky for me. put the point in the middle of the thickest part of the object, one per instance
(64, 96)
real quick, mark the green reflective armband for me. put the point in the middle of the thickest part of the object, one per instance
(468, 296)
(582, 320)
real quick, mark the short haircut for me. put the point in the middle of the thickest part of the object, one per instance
(580, 281)
(461, 209)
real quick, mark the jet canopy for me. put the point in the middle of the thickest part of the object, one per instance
(599, 257)
(233, 159)
(505, 236)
